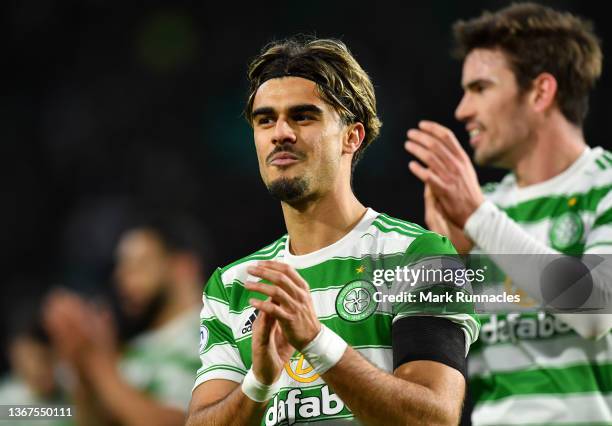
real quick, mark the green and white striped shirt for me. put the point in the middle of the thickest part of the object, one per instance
(161, 362)
(340, 280)
(531, 368)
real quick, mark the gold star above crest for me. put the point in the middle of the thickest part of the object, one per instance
(572, 202)
(360, 269)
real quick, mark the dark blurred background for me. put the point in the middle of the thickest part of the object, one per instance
(116, 107)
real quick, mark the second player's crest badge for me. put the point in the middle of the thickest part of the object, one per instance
(566, 230)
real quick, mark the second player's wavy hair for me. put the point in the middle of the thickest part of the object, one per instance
(539, 39)
(340, 80)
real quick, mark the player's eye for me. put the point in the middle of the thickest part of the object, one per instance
(262, 121)
(479, 87)
(303, 117)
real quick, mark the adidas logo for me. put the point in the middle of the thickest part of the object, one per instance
(248, 325)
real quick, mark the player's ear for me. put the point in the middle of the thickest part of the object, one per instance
(543, 91)
(353, 138)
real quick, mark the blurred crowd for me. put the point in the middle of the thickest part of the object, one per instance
(126, 356)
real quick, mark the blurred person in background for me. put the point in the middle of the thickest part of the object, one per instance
(34, 376)
(527, 74)
(148, 381)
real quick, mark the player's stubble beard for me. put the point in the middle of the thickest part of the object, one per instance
(137, 322)
(510, 139)
(294, 191)
(487, 156)
(503, 154)
(289, 190)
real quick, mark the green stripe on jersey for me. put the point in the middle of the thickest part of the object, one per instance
(413, 227)
(564, 380)
(603, 219)
(218, 332)
(553, 206)
(598, 244)
(334, 273)
(268, 252)
(386, 228)
(221, 367)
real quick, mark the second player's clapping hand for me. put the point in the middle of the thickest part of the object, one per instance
(289, 301)
(82, 332)
(65, 320)
(449, 171)
(437, 222)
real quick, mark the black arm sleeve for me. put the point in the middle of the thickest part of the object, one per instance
(428, 338)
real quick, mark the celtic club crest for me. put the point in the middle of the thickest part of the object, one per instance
(355, 302)
(566, 231)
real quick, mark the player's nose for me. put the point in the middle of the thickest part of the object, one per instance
(283, 132)
(465, 109)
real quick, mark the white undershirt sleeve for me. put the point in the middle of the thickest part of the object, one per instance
(497, 235)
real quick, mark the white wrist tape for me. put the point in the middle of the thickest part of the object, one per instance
(256, 390)
(325, 350)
